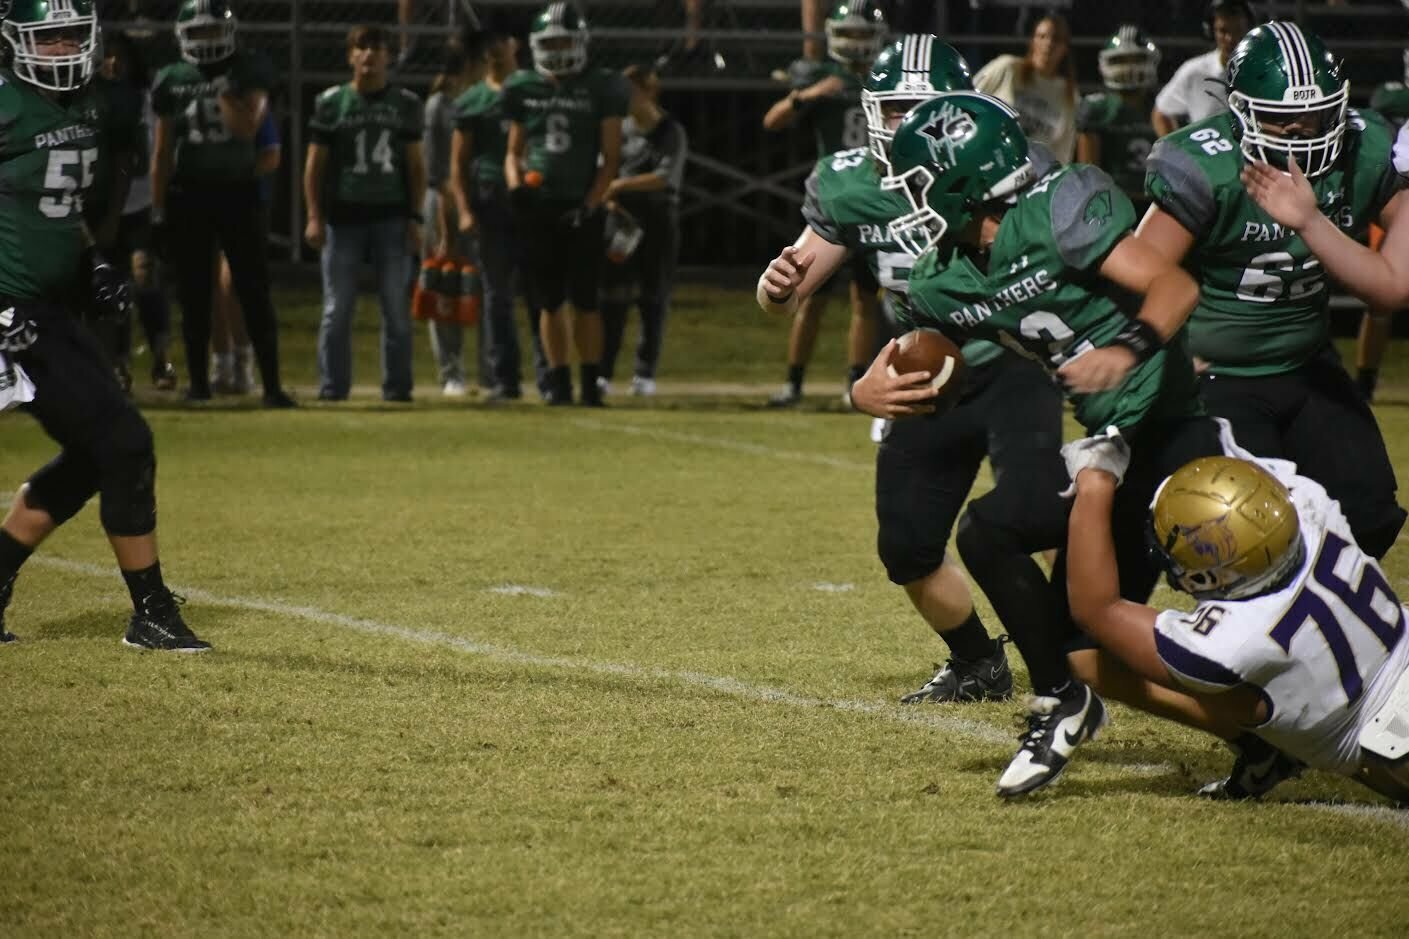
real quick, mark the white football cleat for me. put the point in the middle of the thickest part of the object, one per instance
(1055, 728)
(453, 389)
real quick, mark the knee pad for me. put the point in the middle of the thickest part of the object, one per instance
(127, 469)
(984, 547)
(62, 487)
(907, 558)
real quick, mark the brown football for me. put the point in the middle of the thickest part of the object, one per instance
(928, 350)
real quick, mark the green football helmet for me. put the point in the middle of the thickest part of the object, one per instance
(915, 68)
(856, 30)
(558, 40)
(1281, 75)
(205, 31)
(950, 156)
(1129, 62)
(30, 24)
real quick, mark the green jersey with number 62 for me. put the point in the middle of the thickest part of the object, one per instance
(49, 157)
(366, 136)
(838, 121)
(187, 96)
(562, 122)
(1263, 296)
(479, 112)
(1042, 297)
(1125, 134)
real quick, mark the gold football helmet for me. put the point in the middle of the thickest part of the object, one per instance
(1225, 528)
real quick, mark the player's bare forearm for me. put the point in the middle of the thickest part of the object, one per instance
(1163, 123)
(1374, 276)
(513, 156)
(1170, 300)
(313, 170)
(161, 166)
(461, 150)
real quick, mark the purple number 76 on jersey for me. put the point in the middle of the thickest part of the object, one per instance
(1386, 623)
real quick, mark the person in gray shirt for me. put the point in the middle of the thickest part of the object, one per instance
(646, 193)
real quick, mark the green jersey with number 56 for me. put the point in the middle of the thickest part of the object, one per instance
(49, 157)
(562, 122)
(366, 136)
(838, 121)
(1263, 296)
(1042, 297)
(187, 95)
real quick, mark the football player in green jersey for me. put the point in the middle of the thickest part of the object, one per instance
(925, 468)
(51, 142)
(828, 95)
(1044, 265)
(205, 191)
(1262, 325)
(363, 183)
(1113, 126)
(563, 151)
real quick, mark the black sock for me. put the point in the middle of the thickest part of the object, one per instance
(969, 640)
(559, 378)
(587, 373)
(853, 375)
(1366, 379)
(13, 554)
(142, 584)
(795, 377)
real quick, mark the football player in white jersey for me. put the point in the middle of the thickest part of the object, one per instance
(1297, 637)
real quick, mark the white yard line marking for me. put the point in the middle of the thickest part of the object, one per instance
(834, 588)
(521, 590)
(924, 716)
(726, 443)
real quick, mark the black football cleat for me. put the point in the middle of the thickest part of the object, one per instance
(1257, 769)
(158, 625)
(5, 591)
(985, 679)
(1055, 728)
(278, 400)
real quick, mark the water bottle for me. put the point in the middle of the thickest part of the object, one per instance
(623, 236)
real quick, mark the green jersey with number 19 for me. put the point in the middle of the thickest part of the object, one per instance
(1042, 297)
(366, 135)
(49, 155)
(1263, 297)
(562, 122)
(187, 96)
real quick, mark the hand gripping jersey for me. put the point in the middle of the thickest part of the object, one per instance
(1042, 297)
(563, 125)
(187, 94)
(839, 122)
(366, 135)
(479, 112)
(1263, 296)
(50, 155)
(1126, 137)
(1325, 651)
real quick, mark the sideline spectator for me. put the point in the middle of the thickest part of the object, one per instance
(364, 182)
(648, 192)
(1197, 91)
(1040, 86)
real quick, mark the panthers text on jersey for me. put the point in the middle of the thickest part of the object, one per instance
(186, 95)
(1041, 295)
(479, 112)
(1126, 136)
(366, 136)
(1263, 297)
(52, 149)
(562, 122)
(838, 122)
(1325, 650)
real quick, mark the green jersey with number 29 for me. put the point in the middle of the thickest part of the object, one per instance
(562, 124)
(366, 136)
(1263, 297)
(49, 157)
(1043, 298)
(839, 121)
(187, 96)
(846, 205)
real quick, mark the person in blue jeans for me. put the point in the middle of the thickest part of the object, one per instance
(364, 183)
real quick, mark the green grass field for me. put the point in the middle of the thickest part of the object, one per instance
(511, 671)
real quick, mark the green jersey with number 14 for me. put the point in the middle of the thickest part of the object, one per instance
(366, 136)
(187, 96)
(562, 122)
(846, 205)
(1263, 297)
(1042, 297)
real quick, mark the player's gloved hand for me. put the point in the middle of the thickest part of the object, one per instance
(1106, 452)
(17, 330)
(112, 296)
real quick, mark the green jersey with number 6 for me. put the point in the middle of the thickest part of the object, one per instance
(1042, 297)
(838, 121)
(1263, 296)
(562, 122)
(1125, 134)
(366, 135)
(49, 157)
(479, 112)
(187, 96)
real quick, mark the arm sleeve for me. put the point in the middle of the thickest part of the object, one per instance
(802, 74)
(323, 123)
(672, 160)
(162, 105)
(814, 214)
(1090, 114)
(268, 134)
(513, 105)
(413, 118)
(617, 95)
(1174, 181)
(1192, 669)
(1173, 98)
(1090, 215)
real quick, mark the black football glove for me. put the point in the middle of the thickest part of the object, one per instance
(112, 296)
(17, 330)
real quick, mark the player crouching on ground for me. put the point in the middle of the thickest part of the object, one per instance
(1297, 637)
(50, 140)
